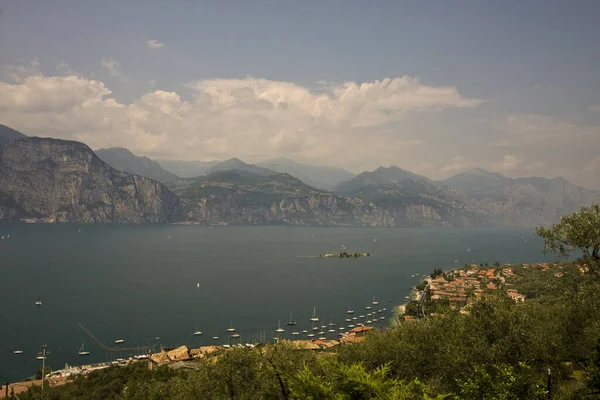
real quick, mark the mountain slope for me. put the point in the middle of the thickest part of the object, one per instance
(381, 176)
(65, 181)
(124, 160)
(417, 199)
(241, 197)
(319, 177)
(187, 169)
(237, 164)
(522, 201)
(8, 134)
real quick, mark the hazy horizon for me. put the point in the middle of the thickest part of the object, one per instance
(432, 87)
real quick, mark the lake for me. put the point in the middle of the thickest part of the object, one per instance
(140, 283)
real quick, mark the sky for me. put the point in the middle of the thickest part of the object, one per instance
(435, 87)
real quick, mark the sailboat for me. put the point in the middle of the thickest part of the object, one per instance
(290, 322)
(197, 332)
(230, 329)
(38, 302)
(279, 329)
(215, 337)
(375, 302)
(349, 311)
(119, 341)
(314, 315)
(82, 352)
(18, 352)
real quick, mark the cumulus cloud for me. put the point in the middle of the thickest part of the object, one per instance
(154, 44)
(112, 66)
(248, 118)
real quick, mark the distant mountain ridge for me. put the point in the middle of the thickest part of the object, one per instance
(65, 181)
(521, 201)
(124, 160)
(237, 164)
(318, 177)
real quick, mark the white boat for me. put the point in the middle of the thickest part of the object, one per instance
(407, 297)
(321, 333)
(354, 318)
(331, 330)
(322, 338)
(367, 307)
(348, 319)
(375, 302)
(369, 321)
(227, 346)
(230, 329)
(314, 315)
(290, 322)
(38, 302)
(18, 352)
(381, 318)
(235, 335)
(82, 351)
(311, 335)
(349, 310)
(361, 316)
(350, 326)
(198, 284)
(305, 331)
(279, 329)
(295, 333)
(119, 341)
(215, 337)
(197, 333)
(341, 328)
(315, 328)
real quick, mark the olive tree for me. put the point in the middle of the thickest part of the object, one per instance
(579, 231)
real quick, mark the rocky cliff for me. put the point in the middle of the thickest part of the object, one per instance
(240, 197)
(65, 181)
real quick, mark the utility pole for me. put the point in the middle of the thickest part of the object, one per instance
(43, 366)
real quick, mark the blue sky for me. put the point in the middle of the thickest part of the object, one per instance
(526, 76)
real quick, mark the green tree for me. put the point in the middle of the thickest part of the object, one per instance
(579, 231)
(502, 382)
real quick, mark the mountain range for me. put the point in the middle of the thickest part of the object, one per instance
(65, 181)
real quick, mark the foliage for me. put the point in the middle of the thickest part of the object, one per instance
(502, 382)
(341, 381)
(579, 231)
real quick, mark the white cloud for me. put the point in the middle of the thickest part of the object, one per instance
(348, 123)
(112, 66)
(594, 109)
(154, 44)
(534, 130)
(512, 163)
(457, 164)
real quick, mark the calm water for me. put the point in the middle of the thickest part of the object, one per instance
(140, 282)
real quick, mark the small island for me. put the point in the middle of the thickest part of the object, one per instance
(345, 255)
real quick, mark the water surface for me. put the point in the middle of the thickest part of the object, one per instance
(138, 283)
